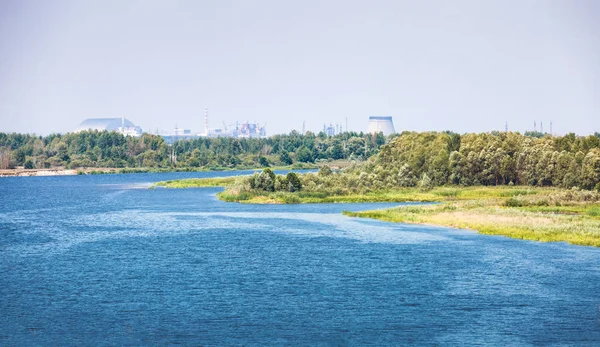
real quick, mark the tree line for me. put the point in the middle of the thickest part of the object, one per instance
(404, 160)
(430, 159)
(489, 159)
(103, 149)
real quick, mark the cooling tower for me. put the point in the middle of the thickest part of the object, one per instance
(381, 124)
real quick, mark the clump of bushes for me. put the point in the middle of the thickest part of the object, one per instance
(268, 181)
(514, 202)
(574, 196)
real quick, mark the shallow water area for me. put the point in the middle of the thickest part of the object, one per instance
(102, 260)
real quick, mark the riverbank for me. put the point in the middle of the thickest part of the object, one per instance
(197, 182)
(529, 213)
(101, 171)
(579, 224)
(537, 214)
(37, 172)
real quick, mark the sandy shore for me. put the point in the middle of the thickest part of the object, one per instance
(37, 172)
(48, 172)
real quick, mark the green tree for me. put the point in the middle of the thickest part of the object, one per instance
(28, 164)
(590, 169)
(263, 161)
(304, 155)
(265, 181)
(285, 158)
(426, 183)
(294, 183)
(337, 152)
(5, 157)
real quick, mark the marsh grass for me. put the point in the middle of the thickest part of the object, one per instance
(197, 182)
(577, 224)
(530, 213)
(593, 211)
(411, 194)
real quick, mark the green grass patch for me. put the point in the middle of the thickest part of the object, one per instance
(198, 182)
(574, 224)
(593, 211)
(530, 213)
(447, 192)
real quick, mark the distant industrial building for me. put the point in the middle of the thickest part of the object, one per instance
(120, 125)
(384, 125)
(243, 130)
(329, 130)
(238, 130)
(179, 134)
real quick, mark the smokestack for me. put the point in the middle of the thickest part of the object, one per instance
(206, 121)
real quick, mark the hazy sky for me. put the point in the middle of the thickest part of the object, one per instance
(466, 66)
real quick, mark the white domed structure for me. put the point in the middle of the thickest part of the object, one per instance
(381, 124)
(100, 124)
(121, 125)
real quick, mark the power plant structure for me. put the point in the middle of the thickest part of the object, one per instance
(331, 130)
(541, 130)
(120, 125)
(237, 130)
(383, 125)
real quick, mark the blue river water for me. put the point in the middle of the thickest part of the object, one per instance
(102, 260)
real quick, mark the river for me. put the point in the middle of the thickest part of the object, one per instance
(102, 260)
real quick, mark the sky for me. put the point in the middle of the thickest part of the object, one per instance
(463, 65)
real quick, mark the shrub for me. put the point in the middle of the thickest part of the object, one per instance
(287, 198)
(325, 171)
(294, 183)
(513, 202)
(28, 164)
(574, 195)
(425, 183)
(263, 162)
(265, 181)
(448, 192)
(543, 202)
(304, 155)
(285, 158)
(319, 195)
(281, 183)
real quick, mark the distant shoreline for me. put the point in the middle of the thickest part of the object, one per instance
(20, 172)
(50, 172)
(546, 214)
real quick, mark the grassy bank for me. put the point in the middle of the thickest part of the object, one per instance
(578, 225)
(530, 213)
(197, 182)
(439, 194)
(99, 171)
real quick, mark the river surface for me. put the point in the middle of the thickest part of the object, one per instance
(102, 260)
